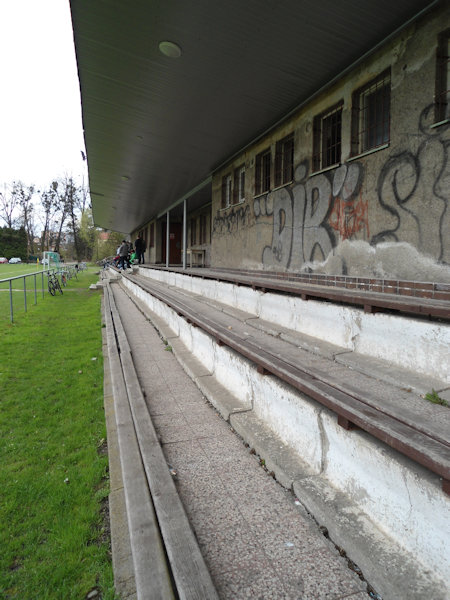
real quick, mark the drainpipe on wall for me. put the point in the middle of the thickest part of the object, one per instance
(167, 239)
(184, 233)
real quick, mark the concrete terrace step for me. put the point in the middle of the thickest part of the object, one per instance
(417, 298)
(427, 426)
(256, 542)
(352, 529)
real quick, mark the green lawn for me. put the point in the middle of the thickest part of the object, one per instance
(54, 536)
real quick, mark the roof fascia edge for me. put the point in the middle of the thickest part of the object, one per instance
(186, 196)
(327, 85)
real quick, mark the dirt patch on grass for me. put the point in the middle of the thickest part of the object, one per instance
(102, 448)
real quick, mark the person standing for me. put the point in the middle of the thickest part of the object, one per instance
(123, 254)
(139, 244)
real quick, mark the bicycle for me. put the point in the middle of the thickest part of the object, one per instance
(53, 283)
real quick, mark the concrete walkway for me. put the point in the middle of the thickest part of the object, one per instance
(256, 541)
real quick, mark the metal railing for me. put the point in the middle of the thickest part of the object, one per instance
(9, 281)
(26, 290)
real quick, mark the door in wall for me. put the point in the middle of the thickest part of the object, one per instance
(175, 242)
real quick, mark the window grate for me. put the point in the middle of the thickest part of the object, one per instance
(442, 96)
(226, 191)
(203, 229)
(371, 111)
(262, 175)
(239, 184)
(152, 235)
(284, 161)
(193, 229)
(327, 130)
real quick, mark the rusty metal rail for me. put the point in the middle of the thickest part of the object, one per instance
(353, 411)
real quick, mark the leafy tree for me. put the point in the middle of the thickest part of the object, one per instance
(109, 246)
(13, 242)
(88, 235)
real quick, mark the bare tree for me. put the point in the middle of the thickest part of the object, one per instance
(48, 207)
(85, 198)
(59, 207)
(73, 203)
(23, 196)
(8, 206)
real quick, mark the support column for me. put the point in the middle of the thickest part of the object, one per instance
(167, 239)
(184, 233)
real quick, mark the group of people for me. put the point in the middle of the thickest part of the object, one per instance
(127, 254)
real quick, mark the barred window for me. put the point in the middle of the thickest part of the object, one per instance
(193, 228)
(327, 129)
(442, 97)
(262, 175)
(152, 235)
(371, 108)
(239, 184)
(226, 191)
(284, 160)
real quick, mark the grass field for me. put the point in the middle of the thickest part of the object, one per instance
(54, 536)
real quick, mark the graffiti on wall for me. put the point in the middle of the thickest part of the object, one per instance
(236, 219)
(413, 188)
(308, 216)
(349, 217)
(315, 213)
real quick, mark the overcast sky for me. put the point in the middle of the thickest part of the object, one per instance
(41, 134)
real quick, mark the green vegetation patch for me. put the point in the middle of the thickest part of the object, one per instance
(54, 477)
(434, 398)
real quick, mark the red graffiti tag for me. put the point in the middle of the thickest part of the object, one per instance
(349, 217)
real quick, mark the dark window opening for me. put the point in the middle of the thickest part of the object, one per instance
(262, 176)
(203, 229)
(442, 96)
(371, 108)
(327, 138)
(226, 191)
(193, 228)
(152, 235)
(239, 184)
(284, 161)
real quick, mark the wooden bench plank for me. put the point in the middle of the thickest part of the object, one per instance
(192, 578)
(152, 575)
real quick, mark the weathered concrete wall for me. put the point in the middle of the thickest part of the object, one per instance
(385, 213)
(416, 345)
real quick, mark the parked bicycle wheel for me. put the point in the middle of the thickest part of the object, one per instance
(53, 284)
(57, 286)
(51, 287)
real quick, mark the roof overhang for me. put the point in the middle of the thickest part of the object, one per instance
(157, 127)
